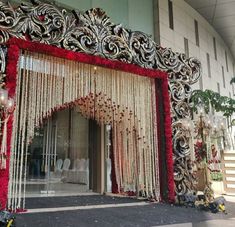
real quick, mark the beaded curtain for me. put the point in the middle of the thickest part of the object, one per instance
(123, 100)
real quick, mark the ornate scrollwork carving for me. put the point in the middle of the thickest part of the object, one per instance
(143, 49)
(2, 59)
(185, 180)
(183, 175)
(181, 142)
(92, 32)
(2, 65)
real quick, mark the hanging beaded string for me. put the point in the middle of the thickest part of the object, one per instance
(13, 157)
(12, 180)
(46, 83)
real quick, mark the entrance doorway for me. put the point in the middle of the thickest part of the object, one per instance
(68, 156)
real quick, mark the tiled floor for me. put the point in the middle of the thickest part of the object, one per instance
(40, 188)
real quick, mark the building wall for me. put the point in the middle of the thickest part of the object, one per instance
(184, 17)
(132, 14)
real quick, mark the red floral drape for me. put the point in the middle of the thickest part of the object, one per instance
(14, 47)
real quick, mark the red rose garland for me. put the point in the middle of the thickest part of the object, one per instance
(168, 137)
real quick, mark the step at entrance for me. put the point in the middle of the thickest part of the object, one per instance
(73, 201)
(228, 166)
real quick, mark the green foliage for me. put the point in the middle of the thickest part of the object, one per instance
(215, 100)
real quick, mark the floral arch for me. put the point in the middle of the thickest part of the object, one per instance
(95, 39)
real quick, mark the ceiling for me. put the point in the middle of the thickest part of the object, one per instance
(221, 15)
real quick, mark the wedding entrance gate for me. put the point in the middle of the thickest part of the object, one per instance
(113, 93)
(123, 100)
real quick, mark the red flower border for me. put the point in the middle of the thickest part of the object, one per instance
(14, 47)
(169, 144)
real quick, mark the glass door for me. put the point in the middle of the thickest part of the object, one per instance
(58, 158)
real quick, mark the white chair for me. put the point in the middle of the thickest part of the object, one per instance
(65, 170)
(76, 164)
(82, 165)
(80, 173)
(59, 164)
(58, 169)
(66, 164)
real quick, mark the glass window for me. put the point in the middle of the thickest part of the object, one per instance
(171, 17)
(215, 50)
(186, 49)
(201, 83)
(196, 32)
(218, 88)
(223, 76)
(226, 60)
(208, 64)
